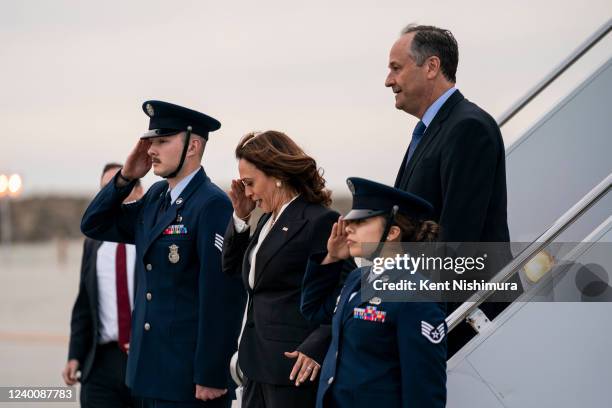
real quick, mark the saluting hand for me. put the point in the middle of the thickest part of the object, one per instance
(303, 369)
(138, 163)
(337, 247)
(243, 206)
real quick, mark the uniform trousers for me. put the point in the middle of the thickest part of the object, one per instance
(105, 386)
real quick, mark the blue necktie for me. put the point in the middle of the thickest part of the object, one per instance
(165, 204)
(417, 134)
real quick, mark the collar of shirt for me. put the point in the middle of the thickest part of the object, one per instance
(180, 186)
(432, 111)
(284, 206)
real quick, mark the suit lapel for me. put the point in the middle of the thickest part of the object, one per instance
(351, 287)
(284, 229)
(150, 216)
(400, 173)
(170, 215)
(92, 276)
(430, 134)
(246, 264)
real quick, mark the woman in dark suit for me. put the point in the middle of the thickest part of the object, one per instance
(280, 352)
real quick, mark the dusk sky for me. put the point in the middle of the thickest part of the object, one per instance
(74, 74)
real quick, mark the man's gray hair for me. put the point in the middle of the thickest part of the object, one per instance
(431, 41)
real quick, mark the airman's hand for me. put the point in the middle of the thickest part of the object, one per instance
(207, 393)
(337, 248)
(138, 163)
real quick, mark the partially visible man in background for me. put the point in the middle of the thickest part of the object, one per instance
(101, 316)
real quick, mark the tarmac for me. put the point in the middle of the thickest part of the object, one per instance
(38, 286)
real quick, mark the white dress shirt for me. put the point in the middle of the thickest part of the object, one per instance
(107, 288)
(242, 226)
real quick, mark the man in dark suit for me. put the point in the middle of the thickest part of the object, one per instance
(456, 157)
(99, 328)
(187, 312)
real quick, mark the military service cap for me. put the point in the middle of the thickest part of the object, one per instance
(371, 199)
(169, 119)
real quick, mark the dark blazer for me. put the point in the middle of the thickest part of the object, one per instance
(84, 323)
(274, 323)
(460, 168)
(386, 362)
(187, 312)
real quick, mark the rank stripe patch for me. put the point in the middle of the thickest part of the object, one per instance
(434, 335)
(219, 242)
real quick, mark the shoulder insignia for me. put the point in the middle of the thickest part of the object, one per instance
(219, 242)
(433, 334)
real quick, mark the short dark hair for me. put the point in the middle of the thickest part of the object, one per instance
(114, 165)
(110, 166)
(429, 41)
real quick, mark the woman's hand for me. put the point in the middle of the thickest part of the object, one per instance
(337, 248)
(243, 206)
(304, 368)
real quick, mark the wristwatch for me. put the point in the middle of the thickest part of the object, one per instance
(122, 177)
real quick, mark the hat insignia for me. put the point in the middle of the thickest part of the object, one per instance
(350, 185)
(433, 334)
(150, 110)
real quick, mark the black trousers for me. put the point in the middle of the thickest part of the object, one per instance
(261, 395)
(221, 402)
(105, 386)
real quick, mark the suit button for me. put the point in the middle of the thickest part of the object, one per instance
(147, 326)
(331, 380)
(149, 267)
(149, 296)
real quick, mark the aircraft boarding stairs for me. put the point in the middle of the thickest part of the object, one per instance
(552, 347)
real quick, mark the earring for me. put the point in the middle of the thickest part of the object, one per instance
(279, 184)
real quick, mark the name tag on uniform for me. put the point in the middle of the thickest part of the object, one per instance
(370, 313)
(179, 229)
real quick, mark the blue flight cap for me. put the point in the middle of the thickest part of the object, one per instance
(169, 119)
(371, 199)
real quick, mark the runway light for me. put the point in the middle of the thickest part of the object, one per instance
(4, 181)
(538, 266)
(14, 184)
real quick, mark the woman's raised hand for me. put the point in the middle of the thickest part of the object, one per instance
(337, 247)
(243, 206)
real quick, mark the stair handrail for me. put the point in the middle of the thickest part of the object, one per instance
(555, 73)
(563, 222)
